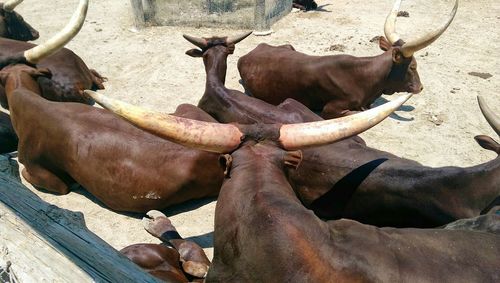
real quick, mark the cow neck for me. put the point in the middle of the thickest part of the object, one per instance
(21, 83)
(215, 67)
(258, 194)
(373, 74)
(216, 95)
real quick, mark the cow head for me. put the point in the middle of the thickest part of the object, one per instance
(13, 26)
(403, 76)
(27, 60)
(214, 50)
(224, 44)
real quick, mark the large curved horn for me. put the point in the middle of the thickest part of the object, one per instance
(492, 119)
(414, 45)
(238, 38)
(221, 138)
(37, 53)
(198, 41)
(9, 6)
(390, 23)
(295, 136)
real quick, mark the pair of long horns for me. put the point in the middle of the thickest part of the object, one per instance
(9, 6)
(37, 53)
(492, 119)
(224, 138)
(202, 42)
(413, 46)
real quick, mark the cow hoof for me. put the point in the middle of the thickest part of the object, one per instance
(157, 224)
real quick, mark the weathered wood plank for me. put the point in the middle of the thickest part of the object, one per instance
(138, 11)
(47, 244)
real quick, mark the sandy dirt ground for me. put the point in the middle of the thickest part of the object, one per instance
(149, 68)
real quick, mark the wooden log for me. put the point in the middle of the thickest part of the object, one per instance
(8, 166)
(45, 243)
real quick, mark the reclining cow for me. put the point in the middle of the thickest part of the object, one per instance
(70, 75)
(164, 260)
(263, 233)
(336, 85)
(349, 179)
(122, 166)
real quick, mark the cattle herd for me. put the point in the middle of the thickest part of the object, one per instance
(301, 197)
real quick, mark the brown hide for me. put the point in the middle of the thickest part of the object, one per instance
(70, 75)
(124, 167)
(263, 233)
(333, 85)
(348, 179)
(8, 138)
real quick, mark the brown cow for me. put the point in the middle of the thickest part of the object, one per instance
(335, 85)
(8, 137)
(70, 75)
(263, 233)
(348, 179)
(162, 260)
(122, 166)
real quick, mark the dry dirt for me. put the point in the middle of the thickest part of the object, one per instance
(149, 68)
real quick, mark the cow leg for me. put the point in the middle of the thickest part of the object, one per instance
(193, 258)
(331, 111)
(44, 179)
(158, 260)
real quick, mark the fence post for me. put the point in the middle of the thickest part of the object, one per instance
(150, 11)
(261, 25)
(139, 17)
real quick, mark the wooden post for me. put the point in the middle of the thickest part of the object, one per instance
(44, 243)
(138, 11)
(150, 11)
(261, 25)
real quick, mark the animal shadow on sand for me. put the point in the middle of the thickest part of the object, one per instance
(394, 115)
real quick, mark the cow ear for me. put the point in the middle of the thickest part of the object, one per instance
(487, 142)
(397, 56)
(293, 159)
(195, 53)
(383, 43)
(226, 161)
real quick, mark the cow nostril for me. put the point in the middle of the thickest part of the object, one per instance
(421, 87)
